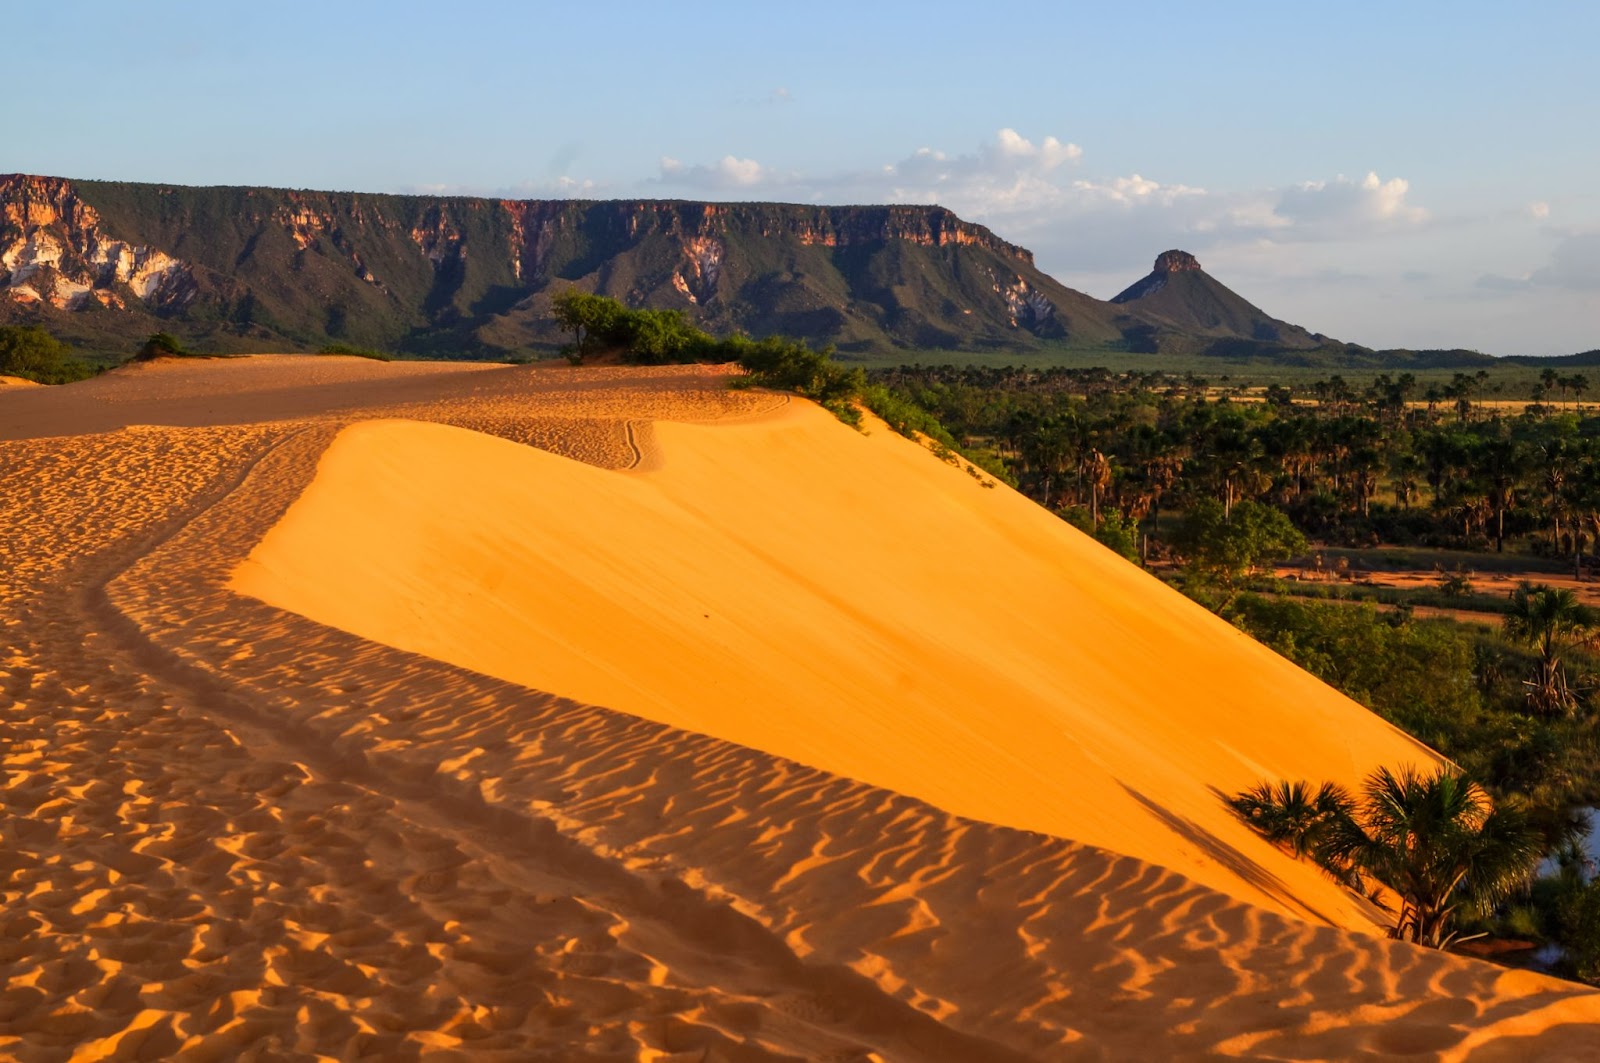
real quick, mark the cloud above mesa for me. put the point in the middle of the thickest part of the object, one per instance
(1035, 190)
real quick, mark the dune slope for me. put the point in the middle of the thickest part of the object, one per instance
(842, 600)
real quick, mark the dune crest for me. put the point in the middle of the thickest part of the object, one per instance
(843, 600)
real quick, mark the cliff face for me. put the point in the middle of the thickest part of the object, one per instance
(53, 250)
(243, 268)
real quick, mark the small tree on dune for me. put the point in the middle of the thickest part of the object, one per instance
(160, 345)
(591, 318)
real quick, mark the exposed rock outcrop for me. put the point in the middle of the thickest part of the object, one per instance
(1176, 262)
(53, 250)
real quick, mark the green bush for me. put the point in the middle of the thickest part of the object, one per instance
(161, 345)
(789, 365)
(1579, 919)
(30, 352)
(601, 325)
(1115, 532)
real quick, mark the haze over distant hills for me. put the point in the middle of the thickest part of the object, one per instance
(236, 269)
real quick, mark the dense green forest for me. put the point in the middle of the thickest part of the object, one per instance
(1388, 461)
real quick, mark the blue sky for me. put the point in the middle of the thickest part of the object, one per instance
(1415, 177)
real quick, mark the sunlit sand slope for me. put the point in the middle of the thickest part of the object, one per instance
(843, 600)
(230, 832)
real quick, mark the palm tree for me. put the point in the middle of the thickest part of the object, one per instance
(1405, 472)
(1293, 815)
(1545, 618)
(1162, 473)
(1437, 841)
(1095, 470)
(1503, 464)
(1554, 482)
(1548, 378)
(1579, 384)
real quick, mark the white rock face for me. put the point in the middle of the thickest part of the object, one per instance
(698, 277)
(36, 251)
(59, 255)
(1026, 304)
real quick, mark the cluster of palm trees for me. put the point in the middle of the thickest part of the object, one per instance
(1426, 845)
(1552, 381)
(1354, 464)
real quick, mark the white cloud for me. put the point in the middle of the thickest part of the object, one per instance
(1494, 282)
(1539, 210)
(727, 172)
(1047, 155)
(1365, 205)
(1133, 191)
(1030, 191)
(1574, 264)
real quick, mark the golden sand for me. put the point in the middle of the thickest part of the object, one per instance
(231, 831)
(845, 601)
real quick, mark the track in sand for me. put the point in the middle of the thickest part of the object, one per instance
(230, 832)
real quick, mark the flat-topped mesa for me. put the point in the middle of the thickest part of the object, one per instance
(464, 276)
(1176, 262)
(829, 226)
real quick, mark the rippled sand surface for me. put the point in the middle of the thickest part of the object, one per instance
(231, 831)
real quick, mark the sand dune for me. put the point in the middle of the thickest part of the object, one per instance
(230, 831)
(842, 600)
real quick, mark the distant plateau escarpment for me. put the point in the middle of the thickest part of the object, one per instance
(233, 269)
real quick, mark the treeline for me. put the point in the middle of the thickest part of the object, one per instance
(1391, 462)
